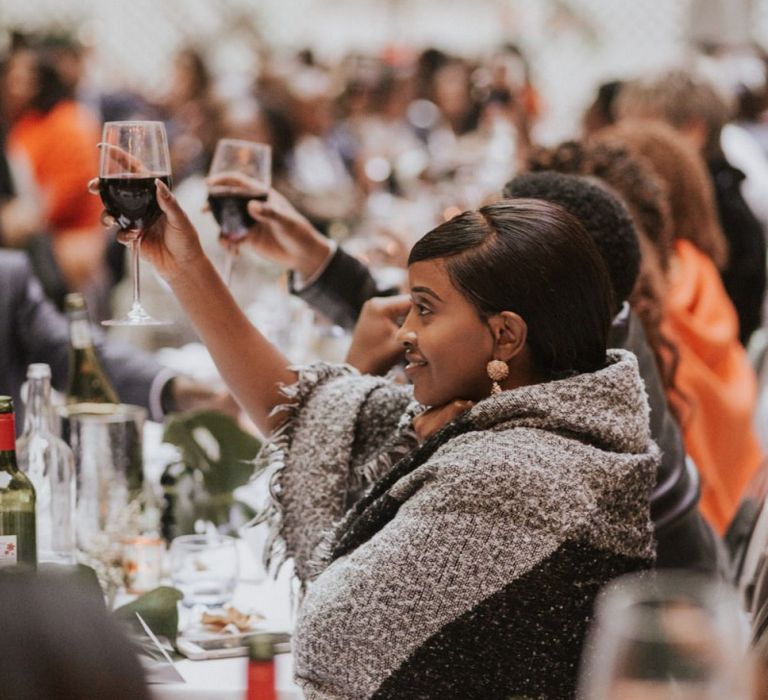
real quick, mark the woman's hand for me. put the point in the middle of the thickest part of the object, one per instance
(171, 244)
(374, 348)
(280, 234)
(428, 423)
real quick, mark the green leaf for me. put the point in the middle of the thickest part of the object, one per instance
(214, 444)
(159, 610)
(217, 458)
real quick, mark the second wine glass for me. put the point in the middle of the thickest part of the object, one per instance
(240, 171)
(133, 155)
(666, 635)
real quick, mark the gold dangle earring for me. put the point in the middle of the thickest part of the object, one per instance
(498, 371)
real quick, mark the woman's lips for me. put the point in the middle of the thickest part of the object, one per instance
(414, 362)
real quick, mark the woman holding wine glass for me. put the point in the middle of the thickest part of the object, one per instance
(450, 536)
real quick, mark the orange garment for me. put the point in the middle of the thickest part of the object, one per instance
(60, 148)
(716, 380)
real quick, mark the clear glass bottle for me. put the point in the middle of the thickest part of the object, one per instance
(17, 498)
(50, 465)
(88, 383)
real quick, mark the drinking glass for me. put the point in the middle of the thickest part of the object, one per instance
(205, 568)
(133, 155)
(107, 442)
(240, 171)
(666, 636)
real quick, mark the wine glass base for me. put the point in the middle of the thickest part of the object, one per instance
(136, 317)
(148, 321)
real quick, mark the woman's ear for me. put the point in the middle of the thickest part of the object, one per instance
(510, 333)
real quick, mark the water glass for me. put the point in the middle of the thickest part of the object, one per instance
(205, 568)
(667, 636)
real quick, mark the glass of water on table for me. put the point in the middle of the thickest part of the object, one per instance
(205, 568)
(240, 171)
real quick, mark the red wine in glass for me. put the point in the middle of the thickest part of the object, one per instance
(230, 209)
(131, 201)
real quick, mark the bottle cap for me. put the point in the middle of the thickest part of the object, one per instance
(262, 648)
(74, 301)
(38, 370)
(6, 404)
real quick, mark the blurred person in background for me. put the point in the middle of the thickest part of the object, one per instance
(194, 119)
(317, 177)
(684, 540)
(51, 145)
(635, 181)
(602, 111)
(378, 142)
(693, 107)
(717, 385)
(752, 101)
(60, 643)
(33, 330)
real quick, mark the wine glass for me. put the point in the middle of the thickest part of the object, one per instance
(205, 568)
(667, 636)
(133, 155)
(240, 171)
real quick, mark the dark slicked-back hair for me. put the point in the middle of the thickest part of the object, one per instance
(602, 214)
(534, 258)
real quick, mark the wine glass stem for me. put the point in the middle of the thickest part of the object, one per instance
(134, 245)
(229, 263)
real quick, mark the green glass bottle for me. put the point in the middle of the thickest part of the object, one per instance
(88, 383)
(18, 535)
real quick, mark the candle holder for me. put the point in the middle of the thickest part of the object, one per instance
(142, 563)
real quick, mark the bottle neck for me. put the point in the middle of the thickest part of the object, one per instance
(37, 417)
(7, 441)
(80, 332)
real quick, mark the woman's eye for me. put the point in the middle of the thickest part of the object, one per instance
(422, 310)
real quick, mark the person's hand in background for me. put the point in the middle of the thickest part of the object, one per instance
(280, 233)
(428, 423)
(374, 348)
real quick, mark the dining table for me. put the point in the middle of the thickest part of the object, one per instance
(270, 598)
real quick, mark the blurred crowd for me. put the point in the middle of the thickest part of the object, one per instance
(375, 145)
(377, 149)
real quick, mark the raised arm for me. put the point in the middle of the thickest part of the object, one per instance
(251, 366)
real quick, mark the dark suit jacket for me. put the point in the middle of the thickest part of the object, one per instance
(684, 539)
(744, 277)
(32, 330)
(341, 290)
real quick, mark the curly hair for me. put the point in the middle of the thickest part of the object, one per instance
(688, 186)
(634, 180)
(629, 176)
(603, 215)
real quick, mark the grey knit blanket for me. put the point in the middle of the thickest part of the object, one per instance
(465, 567)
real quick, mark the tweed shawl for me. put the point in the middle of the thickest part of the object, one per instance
(470, 567)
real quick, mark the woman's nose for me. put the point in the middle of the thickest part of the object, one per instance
(406, 336)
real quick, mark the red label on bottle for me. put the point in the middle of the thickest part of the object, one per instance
(7, 432)
(261, 681)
